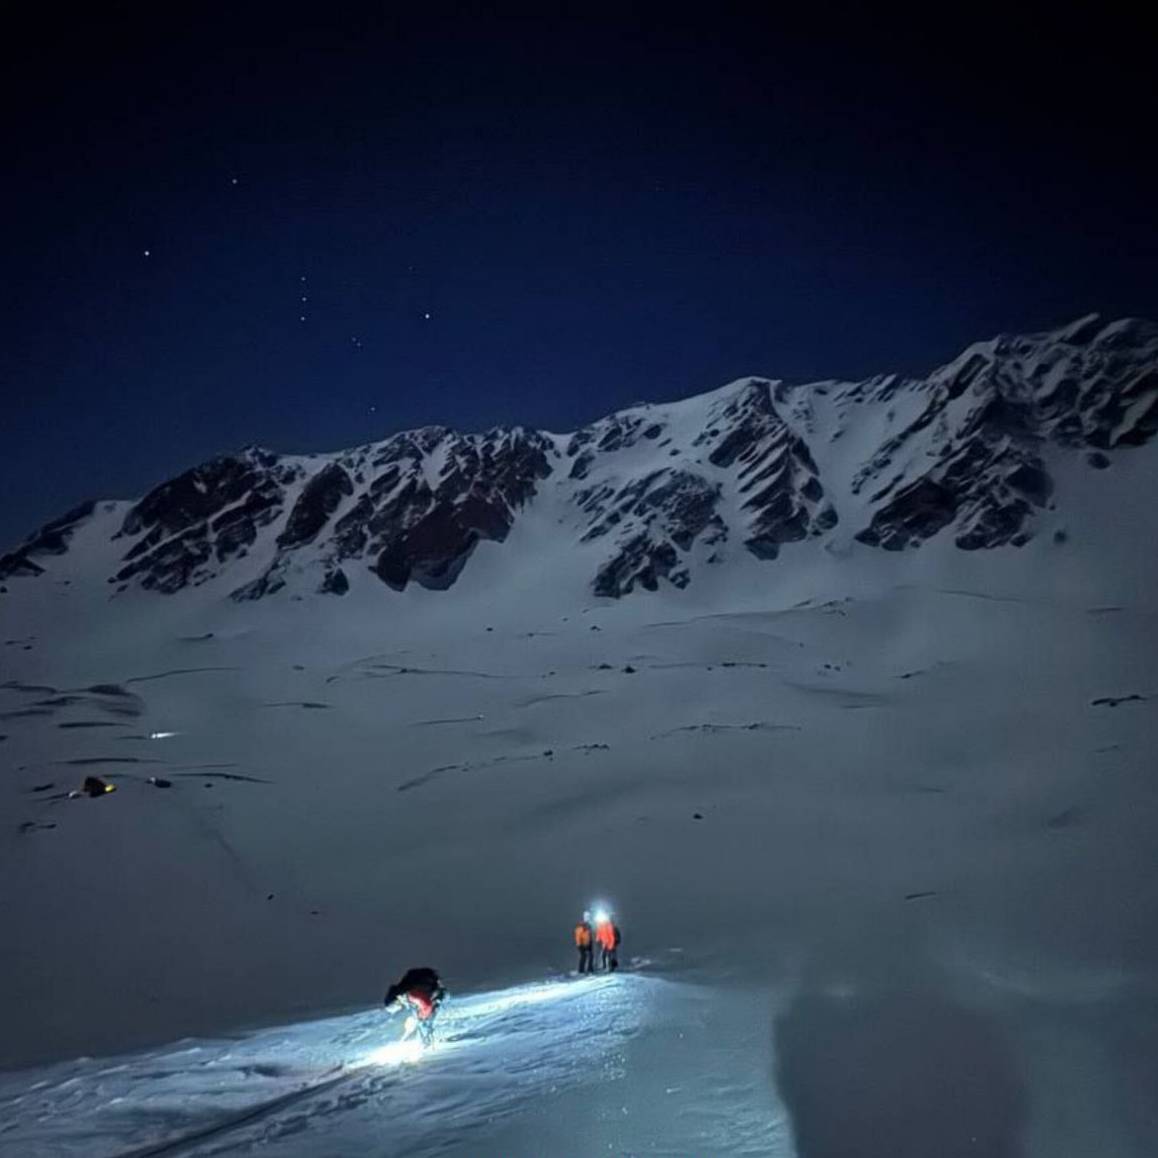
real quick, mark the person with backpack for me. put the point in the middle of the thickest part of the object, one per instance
(608, 938)
(421, 991)
(585, 943)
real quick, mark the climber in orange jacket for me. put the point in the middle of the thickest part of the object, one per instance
(585, 943)
(608, 937)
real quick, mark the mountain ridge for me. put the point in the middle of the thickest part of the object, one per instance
(756, 465)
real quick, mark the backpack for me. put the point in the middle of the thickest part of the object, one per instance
(582, 935)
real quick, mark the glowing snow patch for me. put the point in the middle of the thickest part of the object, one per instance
(395, 1054)
(529, 996)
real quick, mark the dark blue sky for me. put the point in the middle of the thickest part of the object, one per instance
(591, 211)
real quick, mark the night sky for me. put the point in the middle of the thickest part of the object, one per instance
(309, 228)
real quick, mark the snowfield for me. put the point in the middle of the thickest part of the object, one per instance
(880, 826)
(607, 1065)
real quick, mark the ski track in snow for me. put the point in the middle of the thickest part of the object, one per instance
(399, 670)
(83, 760)
(435, 773)
(178, 671)
(982, 595)
(533, 700)
(711, 729)
(203, 773)
(447, 720)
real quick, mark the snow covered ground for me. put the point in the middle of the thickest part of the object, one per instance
(629, 1064)
(619, 1064)
(895, 812)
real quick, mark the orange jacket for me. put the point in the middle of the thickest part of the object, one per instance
(582, 935)
(605, 935)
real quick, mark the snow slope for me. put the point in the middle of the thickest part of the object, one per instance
(625, 1063)
(895, 809)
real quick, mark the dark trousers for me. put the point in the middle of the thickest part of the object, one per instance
(609, 960)
(586, 958)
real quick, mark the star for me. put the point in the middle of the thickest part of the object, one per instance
(148, 253)
(426, 316)
(233, 181)
(302, 318)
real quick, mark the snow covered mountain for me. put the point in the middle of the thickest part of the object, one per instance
(663, 491)
(842, 695)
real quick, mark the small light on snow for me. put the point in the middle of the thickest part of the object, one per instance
(302, 318)
(161, 735)
(426, 316)
(148, 253)
(233, 181)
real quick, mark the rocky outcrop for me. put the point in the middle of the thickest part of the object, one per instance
(425, 500)
(657, 519)
(973, 457)
(743, 448)
(423, 530)
(616, 432)
(187, 528)
(319, 499)
(777, 477)
(52, 539)
(987, 481)
(641, 560)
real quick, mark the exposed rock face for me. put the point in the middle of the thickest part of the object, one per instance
(652, 494)
(740, 452)
(187, 527)
(660, 516)
(616, 432)
(987, 480)
(778, 479)
(424, 531)
(319, 499)
(432, 496)
(52, 539)
(973, 455)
